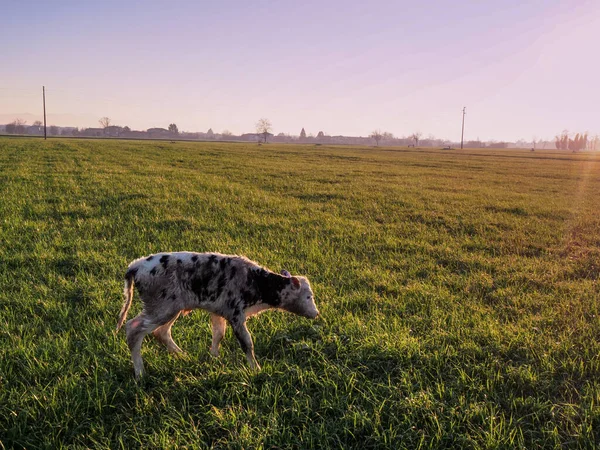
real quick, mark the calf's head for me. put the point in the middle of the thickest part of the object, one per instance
(298, 298)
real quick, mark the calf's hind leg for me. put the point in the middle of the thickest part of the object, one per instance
(136, 329)
(163, 335)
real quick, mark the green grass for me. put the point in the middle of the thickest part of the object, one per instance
(459, 293)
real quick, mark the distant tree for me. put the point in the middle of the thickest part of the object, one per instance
(302, 134)
(387, 136)
(574, 143)
(578, 143)
(264, 127)
(320, 134)
(75, 132)
(210, 134)
(20, 124)
(595, 143)
(226, 133)
(126, 129)
(104, 122)
(564, 140)
(377, 135)
(416, 136)
(37, 123)
(173, 128)
(17, 126)
(54, 130)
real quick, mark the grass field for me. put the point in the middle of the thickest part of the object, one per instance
(459, 294)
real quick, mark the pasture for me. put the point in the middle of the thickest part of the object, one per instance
(459, 294)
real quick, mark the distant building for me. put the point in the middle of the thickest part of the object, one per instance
(67, 131)
(253, 137)
(113, 131)
(158, 133)
(136, 134)
(92, 132)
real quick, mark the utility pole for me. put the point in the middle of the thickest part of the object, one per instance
(44, 96)
(462, 136)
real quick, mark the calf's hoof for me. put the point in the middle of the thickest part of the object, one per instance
(174, 349)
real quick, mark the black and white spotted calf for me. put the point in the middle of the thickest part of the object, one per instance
(231, 288)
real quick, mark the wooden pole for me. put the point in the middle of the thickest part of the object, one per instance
(462, 135)
(44, 96)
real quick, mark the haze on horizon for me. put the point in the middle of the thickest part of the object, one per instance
(522, 68)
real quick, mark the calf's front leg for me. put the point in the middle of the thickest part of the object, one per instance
(219, 324)
(243, 336)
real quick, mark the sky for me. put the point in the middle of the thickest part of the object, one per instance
(522, 68)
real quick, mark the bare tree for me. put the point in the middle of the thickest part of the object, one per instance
(37, 123)
(104, 122)
(173, 128)
(264, 127)
(226, 133)
(17, 126)
(377, 135)
(416, 136)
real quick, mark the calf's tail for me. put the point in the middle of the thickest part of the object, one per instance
(128, 294)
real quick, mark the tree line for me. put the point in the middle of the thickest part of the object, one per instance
(264, 127)
(581, 141)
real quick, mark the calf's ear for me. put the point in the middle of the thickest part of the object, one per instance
(295, 283)
(286, 274)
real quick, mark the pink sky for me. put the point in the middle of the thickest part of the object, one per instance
(522, 68)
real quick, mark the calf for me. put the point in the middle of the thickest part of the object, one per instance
(231, 288)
